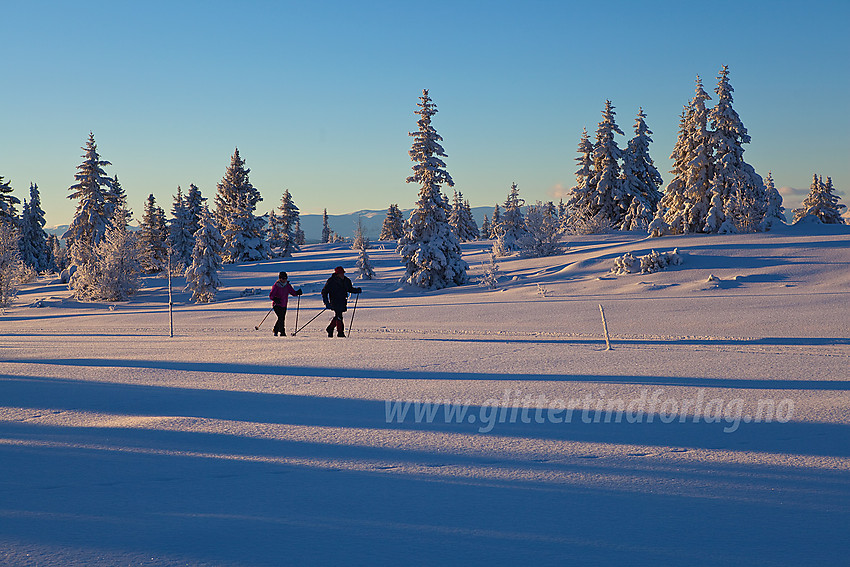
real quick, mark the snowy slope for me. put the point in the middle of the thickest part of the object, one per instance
(227, 446)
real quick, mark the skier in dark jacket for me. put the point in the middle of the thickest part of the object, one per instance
(335, 295)
(281, 290)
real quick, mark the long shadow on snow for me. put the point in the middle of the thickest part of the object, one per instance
(56, 395)
(377, 374)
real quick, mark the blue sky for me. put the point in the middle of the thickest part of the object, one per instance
(319, 96)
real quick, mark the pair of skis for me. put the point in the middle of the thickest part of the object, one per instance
(298, 308)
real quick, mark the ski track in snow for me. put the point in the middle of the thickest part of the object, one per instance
(227, 446)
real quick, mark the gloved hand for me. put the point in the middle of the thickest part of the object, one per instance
(327, 305)
(356, 290)
(299, 292)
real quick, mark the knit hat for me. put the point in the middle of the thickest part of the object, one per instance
(283, 276)
(339, 270)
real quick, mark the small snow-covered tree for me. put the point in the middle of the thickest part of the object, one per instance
(640, 178)
(580, 200)
(8, 212)
(300, 237)
(273, 235)
(393, 227)
(95, 207)
(542, 231)
(114, 276)
(152, 237)
(10, 261)
(460, 218)
(360, 243)
(202, 276)
(34, 249)
(429, 248)
(326, 229)
(236, 200)
(58, 253)
(485, 228)
(287, 220)
(821, 203)
(774, 212)
(511, 228)
(118, 201)
(490, 278)
(494, 221)
(180, 235)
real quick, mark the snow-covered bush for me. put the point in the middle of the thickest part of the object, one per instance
(490, 279)
(582, 222)
(628, 263)
(542, 232)
(10, 261)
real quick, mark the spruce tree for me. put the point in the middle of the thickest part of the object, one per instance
(485, 229)
(289, 216)
(34, 249)
(300, 237)
(774, 212)
(180, 235)
(326, 230)
(360, 243)
(118, 201)
(821, 203)
(512, 227)
(393, 226)
(429, 248)
(580, 201)
(494, 222)
(8, 212)
(641, 178)
(202, 276)
(609, 197)
(152, 237)
(94, 209)
(194, 209)
(10, 260)
(236, 201)
(273, 235)
(736, 190)
(460, 219)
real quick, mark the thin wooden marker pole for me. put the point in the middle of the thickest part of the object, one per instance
(605, 328)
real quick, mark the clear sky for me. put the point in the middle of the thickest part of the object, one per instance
(319, 95)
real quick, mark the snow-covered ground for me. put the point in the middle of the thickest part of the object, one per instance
(227, 446)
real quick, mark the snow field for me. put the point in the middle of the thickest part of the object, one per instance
(227, 446)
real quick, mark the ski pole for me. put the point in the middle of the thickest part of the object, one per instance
(257, 328)
(297, 307)
(310, 321)
(353, 311)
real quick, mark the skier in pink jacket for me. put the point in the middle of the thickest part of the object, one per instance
(281, 290)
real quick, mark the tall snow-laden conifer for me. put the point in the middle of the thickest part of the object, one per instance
(93, 190)
(580, 201)
(494, 222)
(236, 201)
(686, 202)
(10, 260)
(736, 190)
(287, 219)
(429, 248)
(202, 276)
(485, 229)
(511, 228)
(326, 229)
(609, 197)
(8, 212)
(821, 203)
(152, 237)
(118, 201)
(180, 234)
(34, 249)
(640, 178)
(194, 208)
(393, 226)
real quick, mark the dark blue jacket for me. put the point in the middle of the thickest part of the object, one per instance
(335, 293)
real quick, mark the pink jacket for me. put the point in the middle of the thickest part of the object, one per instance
(280, 293)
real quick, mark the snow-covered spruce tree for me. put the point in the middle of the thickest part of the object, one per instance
(393, 227)
(542, 231)
(93, 190)
(736, 191)
(300, 237)
(429, 248)
(8, 212)
(194, 208)
(273, 237)
(641, 178)
(460, 218)
(34, 249)
(684, 207)
(490, 278)
(58, 254)
(118, 200)
(361, 244)
(609, 197)
(10, 261)
(774, 212)
(485, 229)
(152, 237)
(202, 276)
(326, 229)
(180, 235)
(236, 201)
(494, 222)
(821, 203)
(287, 219)
(511, 228)
(580, 199)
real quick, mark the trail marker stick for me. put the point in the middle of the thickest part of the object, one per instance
(605, 328)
